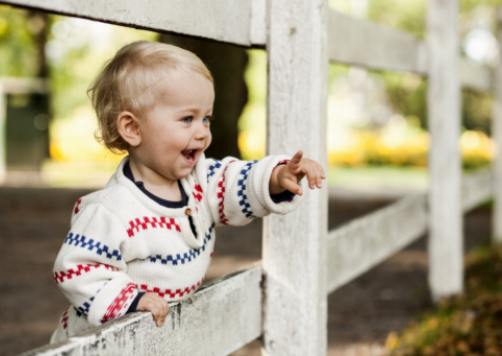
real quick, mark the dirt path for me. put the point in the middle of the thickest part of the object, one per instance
(33, 223)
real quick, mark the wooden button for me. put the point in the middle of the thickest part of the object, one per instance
(188, 212)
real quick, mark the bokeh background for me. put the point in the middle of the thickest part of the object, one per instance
(377, 121)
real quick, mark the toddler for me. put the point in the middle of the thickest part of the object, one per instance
(145, 240)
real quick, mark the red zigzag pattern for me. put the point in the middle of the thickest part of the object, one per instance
(153, 223)
(60, 277)
(221, 196)
(170, 292)
(198, 193)
(119, 303)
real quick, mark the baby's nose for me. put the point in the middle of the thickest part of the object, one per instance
(202, 131)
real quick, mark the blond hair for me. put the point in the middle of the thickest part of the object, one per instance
(128, 83)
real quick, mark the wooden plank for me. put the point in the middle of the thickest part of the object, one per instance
(443, 101)
(258, 22)
(3, 134)
(477, 188)
(217, 320)
(294, 245)
(497, 137)
(221, 20)
(476, 76)
(363, 243)
(13, 85)
(370, 45)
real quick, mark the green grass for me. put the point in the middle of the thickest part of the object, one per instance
(378, 177)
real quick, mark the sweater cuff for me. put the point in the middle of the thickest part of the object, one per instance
(134, 304)
(268, 203)
(113, 300)
(285, 196)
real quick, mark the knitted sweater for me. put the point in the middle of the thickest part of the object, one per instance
(122, 242)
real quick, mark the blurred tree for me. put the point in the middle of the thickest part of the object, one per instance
(407, 93)
(227, 64)
(18, 51)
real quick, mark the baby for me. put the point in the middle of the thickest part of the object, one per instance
(145, 240)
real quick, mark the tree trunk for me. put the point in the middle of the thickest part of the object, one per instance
(227, 64)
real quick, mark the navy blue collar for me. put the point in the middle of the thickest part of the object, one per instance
(167, 203)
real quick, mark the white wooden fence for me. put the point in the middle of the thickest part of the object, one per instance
(284, 300)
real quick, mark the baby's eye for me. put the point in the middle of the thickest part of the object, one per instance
(187, 119)
(207, 119)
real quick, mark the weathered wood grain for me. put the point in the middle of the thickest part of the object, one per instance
(477, 188)
(497, 137)
(363, 243)
(222, 20)
(367, 44)
(218, 319)
(443, 103)
(294, 244)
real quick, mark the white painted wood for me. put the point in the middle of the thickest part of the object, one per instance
(363, 243)
(218, 319)
(477, 188)
(258, 22)
(497, 137)
(370, 45)
(294, 245)
(476, 76)
(13, 85)
(222, 20)
(443, 101)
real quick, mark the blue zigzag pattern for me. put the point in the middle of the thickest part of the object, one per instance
(84, 308)
(241, 189)
(182, 258)
(91, 245)
(213, 167)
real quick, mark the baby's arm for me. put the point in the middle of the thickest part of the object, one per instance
(239, 191)
(288, 176)
(90, 268)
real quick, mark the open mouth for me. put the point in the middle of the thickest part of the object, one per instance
(190, 155)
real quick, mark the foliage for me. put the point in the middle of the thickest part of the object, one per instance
(78, 49)
(406, 15)
(405, 147)
(406, 92)
(465, 325)
(17, 47)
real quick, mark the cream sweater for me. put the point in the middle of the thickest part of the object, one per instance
(122, 242)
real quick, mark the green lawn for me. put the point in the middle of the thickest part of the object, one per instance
(378, 177)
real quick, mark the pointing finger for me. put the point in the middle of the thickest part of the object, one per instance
(292, 186)
(297, 158)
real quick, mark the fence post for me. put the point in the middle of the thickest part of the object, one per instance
(294, 246)
(497, 137)
(443, 102)
(3, 134)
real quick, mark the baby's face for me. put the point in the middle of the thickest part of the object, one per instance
(176, 131)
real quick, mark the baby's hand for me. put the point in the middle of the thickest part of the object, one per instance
(287, 176)
(156, 305)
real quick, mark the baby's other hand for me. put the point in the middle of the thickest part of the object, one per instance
(156, 305)
(289, 175)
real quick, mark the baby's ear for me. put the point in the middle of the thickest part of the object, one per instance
(128, 128)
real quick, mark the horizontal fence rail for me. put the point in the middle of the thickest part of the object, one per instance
(240, 22)
(370, 45)
(477, 188)
(219, 319)
(476, 76)
(365, 242)
(367, 44)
